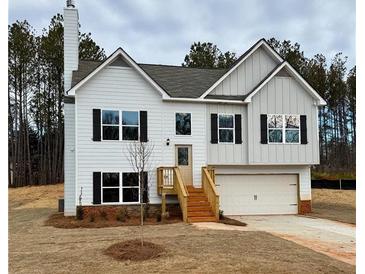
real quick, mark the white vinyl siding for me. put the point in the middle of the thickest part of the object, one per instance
(243, 79)
(69, 159)
(282, 95)
(111, 89)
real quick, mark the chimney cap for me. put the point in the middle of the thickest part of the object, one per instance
(70, 3)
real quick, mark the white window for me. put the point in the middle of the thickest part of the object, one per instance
(130, 125)
(226, 128)
(130, 187)
(110, 187)
(283, 128)
(110, 125)
(128, 191)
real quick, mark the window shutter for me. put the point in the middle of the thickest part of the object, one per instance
(145, 187)
(96, 125)
(96, 188)
(303, 129)
(213, 128)
(143, 126)
(238, 128)
(263, 120)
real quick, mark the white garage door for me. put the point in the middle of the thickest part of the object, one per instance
(258, 194)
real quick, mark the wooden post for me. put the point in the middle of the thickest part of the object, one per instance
(163, 210)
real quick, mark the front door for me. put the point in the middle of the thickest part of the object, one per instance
(183, 158)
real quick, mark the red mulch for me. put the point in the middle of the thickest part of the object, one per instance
(58, 220)
(132, 250)
(229, 221)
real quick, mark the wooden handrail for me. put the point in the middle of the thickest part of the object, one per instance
(210, 190)
(182, 193)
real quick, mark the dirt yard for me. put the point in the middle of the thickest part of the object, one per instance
(337, 205)
(35, 248)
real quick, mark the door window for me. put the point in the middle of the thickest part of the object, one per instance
(183, 156)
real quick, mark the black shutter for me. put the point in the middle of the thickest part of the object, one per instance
(96, 125)
(213, 128)
(303, 129)
(143, 126)
(145, 187)
(238, 128)
(263, 120)
(96, 188)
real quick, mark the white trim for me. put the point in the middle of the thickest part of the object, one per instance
(191, 124)
(129, 61)
(120, 187)
(259, 44)
(198, 100)
(283, 130)
(321, 101)
(233, 129)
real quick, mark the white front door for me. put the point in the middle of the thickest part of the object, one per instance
(258, 194)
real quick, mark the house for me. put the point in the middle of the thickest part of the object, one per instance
(241, 140)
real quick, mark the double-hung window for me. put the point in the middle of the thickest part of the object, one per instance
(110, 187)
(130, 187)
(110, 125)
(283, 129)
(130, 125)
(226, 128)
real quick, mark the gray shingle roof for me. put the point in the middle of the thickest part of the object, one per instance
(178, 82)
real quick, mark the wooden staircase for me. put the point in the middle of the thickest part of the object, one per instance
(197, 204)
(199, 208)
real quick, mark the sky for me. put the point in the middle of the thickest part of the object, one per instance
(161, 31)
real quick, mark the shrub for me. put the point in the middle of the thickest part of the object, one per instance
(104, 214)
(122, 214)
(79, 213)
(158, 217)
(92, 218)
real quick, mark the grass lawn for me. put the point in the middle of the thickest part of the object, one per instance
(337, 205)
(36, 248)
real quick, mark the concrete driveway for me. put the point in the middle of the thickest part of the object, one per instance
(335, 239)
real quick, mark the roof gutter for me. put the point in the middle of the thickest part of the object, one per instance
(211, 101)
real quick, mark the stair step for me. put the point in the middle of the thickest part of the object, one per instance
(201, 219)
(197, 199)
(195, 190)
(198, 203)
(197, 194)
(198, 208)
(206, 213)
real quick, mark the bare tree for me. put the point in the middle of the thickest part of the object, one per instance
(138, 155)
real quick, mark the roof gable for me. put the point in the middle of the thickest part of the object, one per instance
(259, 44)
(285, 70)
(112, 58)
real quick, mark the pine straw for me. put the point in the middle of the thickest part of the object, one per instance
(59, 221)
(132, 250)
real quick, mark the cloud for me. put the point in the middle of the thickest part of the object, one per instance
(162, 31)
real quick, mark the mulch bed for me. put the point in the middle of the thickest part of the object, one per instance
(58, 220)
(229, 221)
(132, 250)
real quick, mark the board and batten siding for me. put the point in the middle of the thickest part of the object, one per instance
(69, 160)
(302, 170)
(246, 76)
(122, 88)
(227, 153)
(282, 95)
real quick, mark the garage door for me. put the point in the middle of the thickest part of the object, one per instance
(258, 194)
